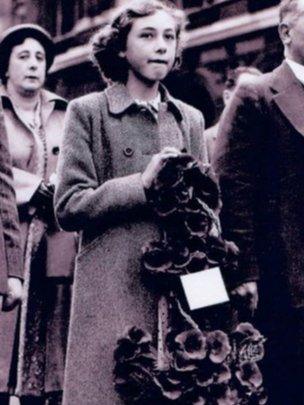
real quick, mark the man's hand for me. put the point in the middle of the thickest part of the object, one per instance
(14, 295)
(248, 292)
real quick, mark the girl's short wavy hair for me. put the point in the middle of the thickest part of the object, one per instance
(111, 38)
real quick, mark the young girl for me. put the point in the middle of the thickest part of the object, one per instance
(115, 144)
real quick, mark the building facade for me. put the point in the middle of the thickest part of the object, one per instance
(221, 34)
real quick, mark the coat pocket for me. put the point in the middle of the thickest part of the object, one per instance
(61, 254)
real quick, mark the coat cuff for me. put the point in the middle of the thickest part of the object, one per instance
(14, 267)
(127, 192)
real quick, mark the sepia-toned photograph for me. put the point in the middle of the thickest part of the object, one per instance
(151, 202)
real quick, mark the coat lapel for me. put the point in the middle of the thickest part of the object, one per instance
(289, 96)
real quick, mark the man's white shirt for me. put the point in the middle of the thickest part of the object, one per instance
(298, 70)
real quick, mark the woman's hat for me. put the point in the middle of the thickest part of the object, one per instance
(16, 35)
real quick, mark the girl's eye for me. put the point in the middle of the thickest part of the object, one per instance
(146, 35)
(23, 56)
(170, 36)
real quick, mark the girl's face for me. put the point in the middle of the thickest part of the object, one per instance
(27, 66)
(151, 47)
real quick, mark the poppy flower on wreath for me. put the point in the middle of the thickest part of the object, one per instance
(229, 397)
(136, 384)
(194, 396)
(250, 376)
(165, 204)
(156, 257)
(216, 250)
(196, 244)
(205, 186)
(198, 262)
(211, 373)
(169, 176)
(134, 343)
(198, 224)
(247, 330)
(170, 384)
(190, 348)
(182, 194)
(218, 346)
(172, 172)
(180, 255)
(135, 364)
(195, 205)
(258, 397)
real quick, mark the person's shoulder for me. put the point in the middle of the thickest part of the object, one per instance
(254, 85)
(211, 132)
(87, 102)
(60, 103)
(189, 112)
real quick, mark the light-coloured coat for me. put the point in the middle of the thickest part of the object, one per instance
(59, 247)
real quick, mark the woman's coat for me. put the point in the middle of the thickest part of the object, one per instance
(56, 252)
(10, 252)
(108, 141)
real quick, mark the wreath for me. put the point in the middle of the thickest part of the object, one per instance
(193, 363)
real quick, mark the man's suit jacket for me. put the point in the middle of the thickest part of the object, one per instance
(10, 243)
(259, 160)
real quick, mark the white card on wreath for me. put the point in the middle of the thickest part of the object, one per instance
(204, 288)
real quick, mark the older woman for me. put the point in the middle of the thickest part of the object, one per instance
(34, 119)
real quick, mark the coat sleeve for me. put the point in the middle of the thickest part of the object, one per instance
(8, 209)
(202, 145)
(80, 200)
(236, 164)
(197, 133)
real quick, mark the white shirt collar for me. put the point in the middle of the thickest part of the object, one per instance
(298, 70)
(154, 103)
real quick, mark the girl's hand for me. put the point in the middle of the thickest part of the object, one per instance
(156, 163)
(14, 295)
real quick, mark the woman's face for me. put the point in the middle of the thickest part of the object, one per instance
(151, 46)
(27, 66)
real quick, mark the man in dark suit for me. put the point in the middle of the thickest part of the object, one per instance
(259, 160)
(231, 82)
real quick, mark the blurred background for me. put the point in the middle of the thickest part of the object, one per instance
(221, 34)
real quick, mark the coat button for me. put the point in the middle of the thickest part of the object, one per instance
(128, 152)
(55, 150)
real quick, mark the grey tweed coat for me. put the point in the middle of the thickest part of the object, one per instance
(108, 142)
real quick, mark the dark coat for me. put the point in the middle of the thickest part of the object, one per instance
(259, 160)
(10, 244)
(10, 253)
(210, 137)
(108, 142)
